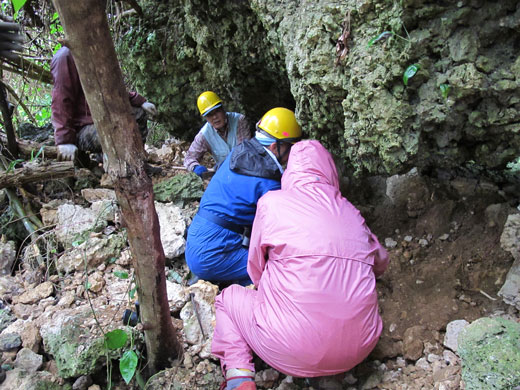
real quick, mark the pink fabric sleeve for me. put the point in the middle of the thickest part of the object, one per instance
(257, 250)
(381, 257)
(198, 147)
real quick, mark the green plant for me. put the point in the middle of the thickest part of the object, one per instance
(410, 72)
(128, 362)
(17, 4)
(445, 90)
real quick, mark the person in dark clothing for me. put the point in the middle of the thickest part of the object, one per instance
(214, 249)
(71, 117)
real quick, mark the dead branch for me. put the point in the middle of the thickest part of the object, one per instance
(37, 173)
(26, 147)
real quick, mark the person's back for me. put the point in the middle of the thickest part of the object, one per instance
(232, 197)
(314, 263)
(319, 273)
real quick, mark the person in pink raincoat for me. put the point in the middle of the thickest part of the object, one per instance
(314, 263)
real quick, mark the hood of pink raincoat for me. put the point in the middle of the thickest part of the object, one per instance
(309, 162)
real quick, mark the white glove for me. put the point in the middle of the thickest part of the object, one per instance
(149, 108)
(67, 152)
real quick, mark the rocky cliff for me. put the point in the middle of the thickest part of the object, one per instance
(459, 105)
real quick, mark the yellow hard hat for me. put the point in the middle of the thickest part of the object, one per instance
(207, 102)
(281, 123)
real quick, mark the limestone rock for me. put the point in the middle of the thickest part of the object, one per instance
(74, 221)
(34, 295)
(177, 296)
(76, 350)
(510, 241)
(510, 238)
(173, 226)
(28, 361)
(20, 379)
(94, 251)
(453, 330)
(92, 195)
(204, 294)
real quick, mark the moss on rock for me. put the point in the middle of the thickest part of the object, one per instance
(490, 353)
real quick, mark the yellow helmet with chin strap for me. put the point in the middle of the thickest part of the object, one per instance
(281, 124)
(207, 102)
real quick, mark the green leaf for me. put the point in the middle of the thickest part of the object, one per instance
(410, 72)
(116, 339)
(121, 274)
(12, 164)
(17, 4)
(140, 380)
(383, 35)
(131, 293)
(78, 242)
(37, 154)
(445, 90)
(128, 365)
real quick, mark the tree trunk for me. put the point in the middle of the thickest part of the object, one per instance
(12, 146)
(88, 37)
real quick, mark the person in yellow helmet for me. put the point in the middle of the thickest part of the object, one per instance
(221, 132)
(214, 247)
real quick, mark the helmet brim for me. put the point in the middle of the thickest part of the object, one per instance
(218, 105)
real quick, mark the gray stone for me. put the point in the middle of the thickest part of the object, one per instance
(510, 241)
(7, 257)
(28, 361)
(453, 330)
(510, 290)
(10, 341)
(510, 238)
(266, 378)
(489, 349)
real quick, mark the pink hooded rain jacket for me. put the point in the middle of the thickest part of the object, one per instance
(314, 263)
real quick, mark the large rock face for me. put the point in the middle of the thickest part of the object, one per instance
(263, 53)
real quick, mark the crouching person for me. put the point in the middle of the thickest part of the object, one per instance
(214, 246)
(314, 263)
